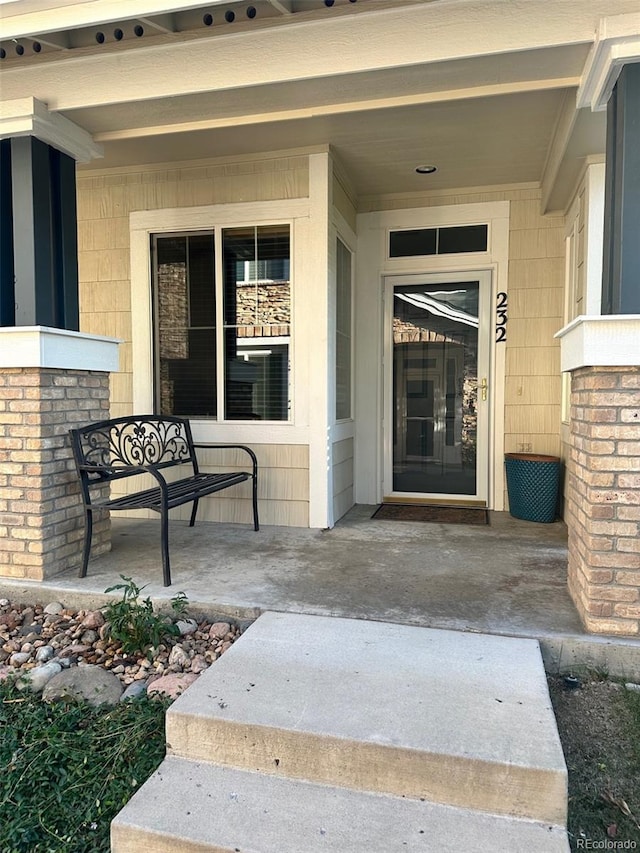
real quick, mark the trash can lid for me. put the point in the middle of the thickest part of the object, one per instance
(532, 457)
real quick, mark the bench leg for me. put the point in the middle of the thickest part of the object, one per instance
(86, 548)
(256, 525)
(164, 544)
(193, 513)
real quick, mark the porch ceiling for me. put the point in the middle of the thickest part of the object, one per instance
(474, 142)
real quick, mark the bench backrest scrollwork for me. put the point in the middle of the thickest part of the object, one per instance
(104, 451)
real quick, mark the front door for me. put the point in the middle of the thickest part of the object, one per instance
(437, 388)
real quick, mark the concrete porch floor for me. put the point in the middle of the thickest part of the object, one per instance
(508, 578)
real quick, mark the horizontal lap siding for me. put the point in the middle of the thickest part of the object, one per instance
(342, 477)
(533, 384)
(283, 486)
(105, 200)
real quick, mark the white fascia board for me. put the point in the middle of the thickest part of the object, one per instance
(609, 340)
(25, 18)
(534, 24)
(617, 43)
(30, 117)
(395, 38)
(41, 346)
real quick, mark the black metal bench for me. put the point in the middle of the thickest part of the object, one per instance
(146, 444)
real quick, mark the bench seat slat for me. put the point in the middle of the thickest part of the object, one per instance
(179, 492)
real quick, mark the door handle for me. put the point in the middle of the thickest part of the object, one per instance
(484, 387)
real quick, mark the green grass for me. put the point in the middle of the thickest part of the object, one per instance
(599, 727)
(66, 769)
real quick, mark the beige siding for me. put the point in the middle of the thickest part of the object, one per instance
(342, 472)
(283, 487)
(105, 200)
(533, 392)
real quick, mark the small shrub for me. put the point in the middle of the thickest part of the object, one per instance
(133, 622)
(180, 604)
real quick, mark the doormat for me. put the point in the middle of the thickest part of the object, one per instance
(438, 514)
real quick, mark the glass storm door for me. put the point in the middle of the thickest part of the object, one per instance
(437, 443)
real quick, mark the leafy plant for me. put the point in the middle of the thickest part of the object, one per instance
(180, 604)
(69, 767)
(133, 622)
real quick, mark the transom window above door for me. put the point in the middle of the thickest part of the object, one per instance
(452, 240)
(222, 323)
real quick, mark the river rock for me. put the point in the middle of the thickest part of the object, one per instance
(199, 663)
(173, 684)
(18, 658)
(91, 683)
(32, 631)
(9, 620)
(178, 657)
(134, 691)
(36, 679)
(186, 626)
(54, 608)
(93, 619)
(44, 654)
(74, 649)
(219, 630)
(88, 637)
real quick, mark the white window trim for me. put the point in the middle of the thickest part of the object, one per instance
(142, 224)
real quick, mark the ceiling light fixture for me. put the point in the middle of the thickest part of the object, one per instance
(426, 170)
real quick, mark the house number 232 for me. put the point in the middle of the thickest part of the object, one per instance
(501, 318)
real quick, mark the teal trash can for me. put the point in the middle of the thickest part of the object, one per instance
(532, 483)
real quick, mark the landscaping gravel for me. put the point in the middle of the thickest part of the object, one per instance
(41, 641)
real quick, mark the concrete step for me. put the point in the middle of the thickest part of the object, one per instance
(194, 807)
(453, 718)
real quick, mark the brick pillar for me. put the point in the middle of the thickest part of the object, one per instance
(603, 498)
(64, 384)
(41, 517)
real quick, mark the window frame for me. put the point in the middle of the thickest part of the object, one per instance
(293, 213)
(220, 323)
(220, 326)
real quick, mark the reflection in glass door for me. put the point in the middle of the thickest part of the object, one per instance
(439, 381)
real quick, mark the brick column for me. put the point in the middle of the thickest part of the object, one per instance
(603, 498)
(41, 516)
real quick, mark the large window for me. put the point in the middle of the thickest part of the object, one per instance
(222, 331)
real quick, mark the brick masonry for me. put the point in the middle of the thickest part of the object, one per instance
(41, 517)
(603, 498)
